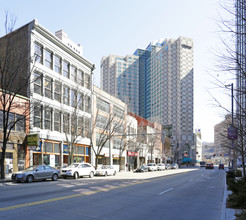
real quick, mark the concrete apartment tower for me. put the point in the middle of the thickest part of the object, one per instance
(165, 86)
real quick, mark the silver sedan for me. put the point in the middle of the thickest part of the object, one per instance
(36, 173)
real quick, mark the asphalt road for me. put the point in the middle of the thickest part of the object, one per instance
(191, 195)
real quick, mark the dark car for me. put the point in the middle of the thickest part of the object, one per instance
(143, 168)
(36, 173)
(209, 166)
(221, 166)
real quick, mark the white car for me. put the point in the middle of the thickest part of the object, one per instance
(77, 170)
(152, 166)
(161, 166)
(104, 170)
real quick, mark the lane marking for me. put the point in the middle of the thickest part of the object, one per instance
(86, 193)
(166, 191)
(191, 180)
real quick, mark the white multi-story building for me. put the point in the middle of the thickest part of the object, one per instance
(59, 89)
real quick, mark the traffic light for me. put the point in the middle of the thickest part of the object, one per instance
(185, 153)
(220, 154)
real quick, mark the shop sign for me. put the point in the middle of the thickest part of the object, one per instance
(8, 146)
(132, 154)
(65, 149)
(32, 139)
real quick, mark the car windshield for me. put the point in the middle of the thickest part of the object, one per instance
(31, 168)
(73, 165)
(150, 164)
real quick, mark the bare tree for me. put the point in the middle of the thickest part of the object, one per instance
(105, 128)
(14, 81)
(232, 60)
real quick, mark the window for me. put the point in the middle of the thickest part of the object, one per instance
(73, 98)
(57, 91)
(48, 87)
(57, 64)
(102, 105)
(87, 81)
(48, 59)
(56, 148)
(65, 69)
(47, 118)
(80, 101)
(48, 147)
(66, 123)
(80, 126)
(87, 104)
(80, 77)
(73, 74)
(118, 112)
(66, 95)
(38, 116)
(57, 121)
(80, 150)
(38, 83)
(38, 53)
(20, 122)
(87, 127)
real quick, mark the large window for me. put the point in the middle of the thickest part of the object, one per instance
(87, 127)
(65, 69)
(57, 64)
(57, 121)
(87, 81)
(73, 75)
(102, 105)
(38, 116)
(38, 53)
(47, 119)
(48, 59)
(80, 126)
(118, 112)
(87, 104)
(80, 77)
(66, 123)
(73, 98)
(16, 121)
(66, 95)
(80, 101)
(57, 91)
(48, 87)
(102, 122)
(38, 83)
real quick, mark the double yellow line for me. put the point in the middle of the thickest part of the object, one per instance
(78, 195)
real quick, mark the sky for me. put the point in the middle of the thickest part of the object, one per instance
(119, 27)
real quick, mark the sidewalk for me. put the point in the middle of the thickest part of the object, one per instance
(227, 213)
(7, 178)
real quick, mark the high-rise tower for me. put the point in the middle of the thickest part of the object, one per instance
(165, 85)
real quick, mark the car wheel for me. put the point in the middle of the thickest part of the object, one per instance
(54, 177)
(105, 174)
(64, 177)
(29, 179)
(75, 176)
(114, 173)
(91, 174)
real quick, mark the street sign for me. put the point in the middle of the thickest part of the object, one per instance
(232, 133)
(32, 139)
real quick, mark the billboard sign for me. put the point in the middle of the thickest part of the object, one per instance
(232, 133)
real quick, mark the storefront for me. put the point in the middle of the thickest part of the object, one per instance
(132, 159)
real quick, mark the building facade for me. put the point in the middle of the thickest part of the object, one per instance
(165, 86)
(59, 91)
(108, 130)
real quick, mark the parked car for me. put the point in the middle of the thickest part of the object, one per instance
(143, 168)
(152, 167)
(161, 166)
(104, 170)
(174, 166)
(168, 166)
(221, 166)
(32, 173)
(77, 170)
(209, 166)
